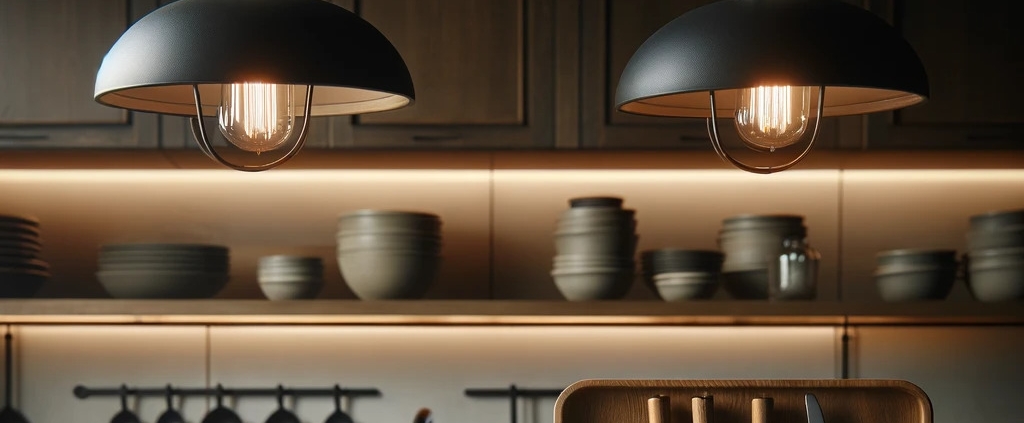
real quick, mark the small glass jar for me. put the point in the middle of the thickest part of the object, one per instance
(793, 273)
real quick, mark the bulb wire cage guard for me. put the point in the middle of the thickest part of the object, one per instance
(764, 170)
(199, 131)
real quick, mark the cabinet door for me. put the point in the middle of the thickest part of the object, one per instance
(483, 72)
(972, 52)
(50, 51)
(612, 31)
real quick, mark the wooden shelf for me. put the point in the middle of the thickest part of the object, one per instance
(498, 312)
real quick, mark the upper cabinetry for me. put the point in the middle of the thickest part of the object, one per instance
(972, 51)
(483, 72)
(612, 30)
(50, 51)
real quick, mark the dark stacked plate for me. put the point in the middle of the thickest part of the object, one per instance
(22, 271)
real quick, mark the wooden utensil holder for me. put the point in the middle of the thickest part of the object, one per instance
(842, 400)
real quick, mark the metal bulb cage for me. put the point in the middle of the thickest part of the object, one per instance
(174, 60)
(713, 51)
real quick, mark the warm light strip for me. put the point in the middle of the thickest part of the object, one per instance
(134, 176)
(525, 320)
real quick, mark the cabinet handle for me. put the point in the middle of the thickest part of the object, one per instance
(24, 137)
(435, 138)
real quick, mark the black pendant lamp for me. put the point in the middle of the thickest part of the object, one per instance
(769, 64)
(258, 65)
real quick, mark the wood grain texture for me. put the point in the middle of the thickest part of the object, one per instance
(760, 410)
(659, 409)
(703, 409)
(51, 50)
(842, 401)
(465, 57)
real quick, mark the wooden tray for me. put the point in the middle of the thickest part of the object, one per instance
(842, 401)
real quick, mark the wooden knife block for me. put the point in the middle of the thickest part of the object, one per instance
(841, 400)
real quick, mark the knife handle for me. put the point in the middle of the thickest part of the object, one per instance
(760, 408)
(659, 409)
(703, 409)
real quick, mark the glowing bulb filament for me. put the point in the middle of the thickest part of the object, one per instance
(770, 117)
(256, 117)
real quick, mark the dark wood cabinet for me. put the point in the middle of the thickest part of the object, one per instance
(50, 51)
(611, 31)
(483, 72)
(974, 55)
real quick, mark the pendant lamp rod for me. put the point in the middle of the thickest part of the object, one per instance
(199, 131)
(764, 170)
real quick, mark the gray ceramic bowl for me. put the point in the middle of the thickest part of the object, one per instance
(681, 286)
(747, 284)
(996, 220)
(21, 283)
(933, 284)
(388, 274)
(431, 244)
(1008, 237)
(614, 202)
(756, 221)
(912, 256)
(598, 243)
(298, 290)
(593, 284)
(161, 284)
(361, 221)
(1004, 283)
(996, 257)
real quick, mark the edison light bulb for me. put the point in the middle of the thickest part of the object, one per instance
(256, 117)
(772, 117)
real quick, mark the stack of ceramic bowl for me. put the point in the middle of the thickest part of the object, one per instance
(283, 277)
(678, 275)
(147, 270)
(386, 254)
(22, 271)
(910, 275)
(595, 242)
(749, 242)
(995, 264)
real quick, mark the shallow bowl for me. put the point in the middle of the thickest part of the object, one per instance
(161, 284)
(593, 284)
(915, 285)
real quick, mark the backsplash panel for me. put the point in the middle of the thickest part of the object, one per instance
(892, 209)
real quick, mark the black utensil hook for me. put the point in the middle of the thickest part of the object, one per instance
(513, 393)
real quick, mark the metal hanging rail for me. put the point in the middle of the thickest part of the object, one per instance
(83, 392)
(512, 393)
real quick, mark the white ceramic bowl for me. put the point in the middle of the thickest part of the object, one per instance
(161, 284)
(388, 274)
(913, 256)
(593, 284)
